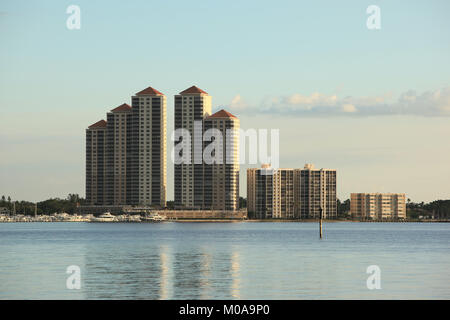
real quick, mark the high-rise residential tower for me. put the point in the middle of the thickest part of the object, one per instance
(147, 152)
(95, 163)
(126, 155)
(117, 144)
(192, 106)
(378, 205)
(221, 178)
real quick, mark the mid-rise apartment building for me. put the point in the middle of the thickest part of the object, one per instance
(291, 193)
(315, 190)
(378, 206)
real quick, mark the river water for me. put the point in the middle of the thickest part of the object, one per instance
(243, 260)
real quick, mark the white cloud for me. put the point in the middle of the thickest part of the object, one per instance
(348, 108)
(237, 103)
(429, 103)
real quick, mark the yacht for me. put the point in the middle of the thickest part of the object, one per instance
(153, 217)
(104, 217)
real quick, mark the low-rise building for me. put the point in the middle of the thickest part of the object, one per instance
(378, 206)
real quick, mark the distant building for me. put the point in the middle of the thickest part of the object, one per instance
(126, 155)
(147, 183)
(378, 205)
(96, 163)
(192, 105)
(221, 180)
(315, 189)
(118, 143)
(291, 193)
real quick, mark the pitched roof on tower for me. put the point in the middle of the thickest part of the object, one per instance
(149, 91)
(193, 90)
(98, 124)
(222, 114)
(122, 107)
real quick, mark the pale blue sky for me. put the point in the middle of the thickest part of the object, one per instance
(373, 104)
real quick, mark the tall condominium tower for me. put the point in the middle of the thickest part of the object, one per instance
(147, 153)
(291, 193)
(117, 143)
(315, 189)
(378, 205)
(126, 155)
(270, 194)
(95, 163)
(221, 180)
(191, 106)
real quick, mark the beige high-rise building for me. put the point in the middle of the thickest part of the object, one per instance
(378, 205)
(129, 152)
(147, 184)
(221, 180)
(117, 143)
(291, 193)
(192, 106)
(95, 163)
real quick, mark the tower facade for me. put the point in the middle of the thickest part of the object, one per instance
(291, 193)
(117, 143)
(95, 163)
(221, 178)
(315, 190)
(126, 155)
(192, 106)
(270, 193)
(147, 153)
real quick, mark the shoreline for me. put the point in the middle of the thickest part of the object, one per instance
(239, 220)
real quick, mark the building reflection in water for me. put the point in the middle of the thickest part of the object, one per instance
(165, 288)
(235, 275)
(161, 272)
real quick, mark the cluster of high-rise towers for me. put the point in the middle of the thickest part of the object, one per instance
(126, 163)
(126, 155)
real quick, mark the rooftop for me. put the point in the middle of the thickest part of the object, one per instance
(122, 107)
(222, 114)
(149, 91)
(193, 90)
(98, 124)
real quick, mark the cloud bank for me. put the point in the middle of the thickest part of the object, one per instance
(430, 103)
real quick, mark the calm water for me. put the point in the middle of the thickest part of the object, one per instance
(224, 260)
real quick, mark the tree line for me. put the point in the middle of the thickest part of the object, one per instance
(49, 206)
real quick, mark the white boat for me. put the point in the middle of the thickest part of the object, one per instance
(154, 217)
(104, 217)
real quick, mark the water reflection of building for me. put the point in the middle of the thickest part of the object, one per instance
(235, 275)
(161, 272)
(123, 272)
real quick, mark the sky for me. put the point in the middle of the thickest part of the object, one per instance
(373, 104)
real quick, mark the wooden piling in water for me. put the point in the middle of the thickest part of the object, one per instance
(320, 223)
